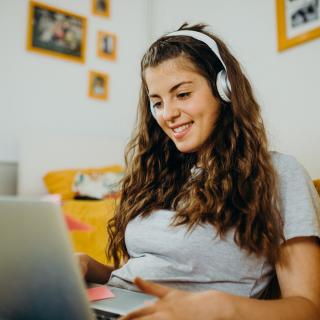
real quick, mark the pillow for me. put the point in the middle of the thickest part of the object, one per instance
(96, 185)
(61, 181)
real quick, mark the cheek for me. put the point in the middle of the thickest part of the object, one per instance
(212, 118)
(211, 124)
(208, 123)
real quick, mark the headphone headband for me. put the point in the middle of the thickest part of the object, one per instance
(201, 37)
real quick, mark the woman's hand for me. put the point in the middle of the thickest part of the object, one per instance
(83, 260)
(92, 270)
(181, 305)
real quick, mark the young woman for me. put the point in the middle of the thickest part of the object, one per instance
(206, 211)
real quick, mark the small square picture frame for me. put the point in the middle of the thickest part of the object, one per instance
(98, 85)
(107, 45)
(101, 8)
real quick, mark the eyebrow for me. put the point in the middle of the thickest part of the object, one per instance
(175, 87)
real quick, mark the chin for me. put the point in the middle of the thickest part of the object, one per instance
(186, 149)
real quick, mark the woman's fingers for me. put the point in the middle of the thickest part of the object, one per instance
(152, 288)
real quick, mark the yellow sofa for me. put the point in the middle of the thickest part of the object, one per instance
(95, 214)
(317, 185)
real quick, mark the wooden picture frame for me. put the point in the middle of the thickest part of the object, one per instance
(107, 45)
(98, 85)
(56, 32)
(298, 22)
(101, 8)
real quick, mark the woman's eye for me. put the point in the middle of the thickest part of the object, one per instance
(156, 104)
(184, 94)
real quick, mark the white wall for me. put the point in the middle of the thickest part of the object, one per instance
(286, 84)
(42, 94)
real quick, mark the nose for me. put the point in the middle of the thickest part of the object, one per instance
(170, 111)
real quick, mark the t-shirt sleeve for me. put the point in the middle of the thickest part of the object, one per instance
(300, 203)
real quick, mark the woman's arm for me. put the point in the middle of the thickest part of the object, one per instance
(298, 272)
(92, 270)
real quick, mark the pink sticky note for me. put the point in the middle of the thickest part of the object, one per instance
(99, 293)
(76, 225)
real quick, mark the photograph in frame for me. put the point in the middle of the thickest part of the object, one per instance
(56, 32)
(98, 85)
(107, 45)
(298, 22)
(101, 8)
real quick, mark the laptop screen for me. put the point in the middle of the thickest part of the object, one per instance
(39, 276)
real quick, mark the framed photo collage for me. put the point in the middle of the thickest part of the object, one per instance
(62, 34)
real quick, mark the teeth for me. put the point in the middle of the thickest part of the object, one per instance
(180, 129)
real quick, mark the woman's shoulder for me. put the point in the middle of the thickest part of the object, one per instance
(300, 204)
(296, 186)
(287, 164)
(281, 159)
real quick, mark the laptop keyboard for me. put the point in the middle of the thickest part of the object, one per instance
(104, 315)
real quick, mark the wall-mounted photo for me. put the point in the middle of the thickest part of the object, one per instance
(98, 85)
(56, 32)
(298, 22)
(101, 8)
(107, 45)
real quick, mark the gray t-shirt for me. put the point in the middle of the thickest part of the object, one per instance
(198, 260)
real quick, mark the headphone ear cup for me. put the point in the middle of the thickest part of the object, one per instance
(223, 86)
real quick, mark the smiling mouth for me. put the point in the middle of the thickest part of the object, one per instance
(182, 128)
(182, 131)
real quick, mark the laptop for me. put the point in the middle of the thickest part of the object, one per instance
(39, 275)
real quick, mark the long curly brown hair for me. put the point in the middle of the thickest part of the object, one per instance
(238, 188)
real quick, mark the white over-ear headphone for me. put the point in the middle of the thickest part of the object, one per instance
(222, 81)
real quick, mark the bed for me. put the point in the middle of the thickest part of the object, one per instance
(60, 158)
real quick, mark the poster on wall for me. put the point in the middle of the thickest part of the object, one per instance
(298, 22)
(106, 45)
(101, 8)
(56, 32)
(98, 85)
